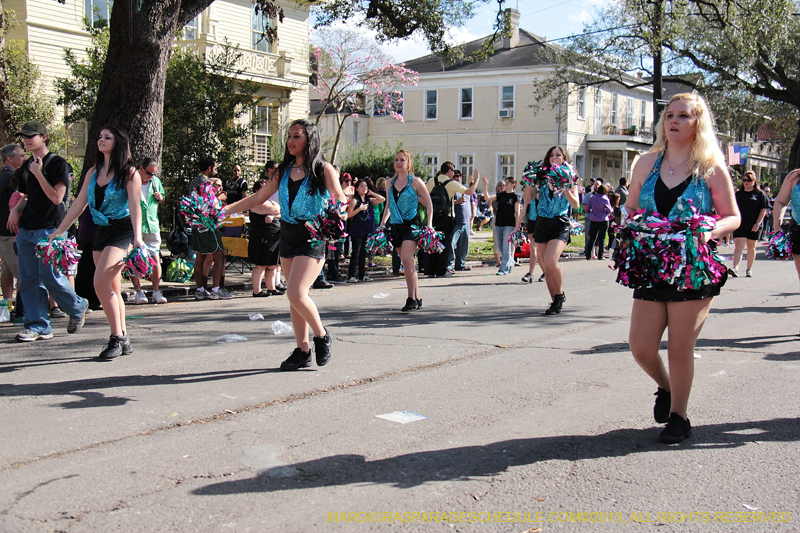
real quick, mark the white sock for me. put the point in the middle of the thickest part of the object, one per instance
(215, 289)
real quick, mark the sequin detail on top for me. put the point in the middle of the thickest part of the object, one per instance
(697, 191)
(115, 202)
(405, 207)
(795, 199)
(306, 205)
(552, 204)
(532, 210)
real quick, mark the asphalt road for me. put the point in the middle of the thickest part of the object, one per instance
(532, 421)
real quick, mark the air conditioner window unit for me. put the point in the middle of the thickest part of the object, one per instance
(506, 113)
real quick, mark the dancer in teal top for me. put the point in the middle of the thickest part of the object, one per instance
(113, 193)
(306, 182)
(789, 194)
(685, 162)
(405, 193)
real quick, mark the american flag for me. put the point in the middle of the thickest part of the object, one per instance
(733, 155)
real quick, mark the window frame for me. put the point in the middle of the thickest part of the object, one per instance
(255, 32)
(470, 167)
(425, 105)
(260, 131)
(461, 103)
(629, 117)
(502, 100)
(643, 115)
(582, 103)
(499, 165)
(88, 11)
(196, 28)
(432, 168)
(614, 109)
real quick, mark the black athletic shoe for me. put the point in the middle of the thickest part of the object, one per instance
(113, 348)
(661, 409)
(411, 304)
(298, 359)
(558, 303)
(419, 303)
(322, 348)
(127, 349)
(677, 429)
(321, 284)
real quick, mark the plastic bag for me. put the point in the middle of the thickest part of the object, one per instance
(5, 314)
(179, 271)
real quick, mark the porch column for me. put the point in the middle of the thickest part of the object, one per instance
(625, 165)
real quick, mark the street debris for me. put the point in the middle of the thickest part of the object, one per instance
(229, 337)
(402, 417)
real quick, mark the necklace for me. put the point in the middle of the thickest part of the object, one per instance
(671, 169)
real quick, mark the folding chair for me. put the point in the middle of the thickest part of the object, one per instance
(235, 244)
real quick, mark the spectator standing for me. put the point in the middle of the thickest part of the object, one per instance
(753, 205)
(44, 190)
(599, 211)
(152, 195)
(263, 248)
(508, 212)
(13, 157)
(236, 187)
(463, 215)
(622, 190)
(361, 218)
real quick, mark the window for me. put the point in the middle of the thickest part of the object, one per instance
(582, 103)
(192, 29)
(629, 120)
(260, 23)
(355, 131)
(379, 108)
(598, 111)
(261, 135)
(466, 103)
(643, 115)
(98, 11)
(466, 163)
(432, 164)
(431, 104)
(614, 102)
(507, 101)
(578, 160)
(505, 166)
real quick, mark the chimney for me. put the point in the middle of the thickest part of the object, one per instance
(513, 18)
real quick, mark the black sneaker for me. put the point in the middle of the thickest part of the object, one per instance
(411, 304)
(677, 429)
(127, 349)
(541, 278)
(527, 278)
(322, 348)
(558, 303)
(76, 323)
(661, 409)
(113, 348)
(298, 359)
(321, 284)
(419, 303)
(339, 280)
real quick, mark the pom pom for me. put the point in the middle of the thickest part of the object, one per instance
(378, 243)
(428, 239)
(139, 262)
(780, 246)
(329, 225)
(517, 238)
(575, 227)
(199, 209)
(653, 249)
(540, 175)
(61, 254)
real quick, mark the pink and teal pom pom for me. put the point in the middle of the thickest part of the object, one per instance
(378, 243)
(428, 239)
(780, 246)
(329, 225)
(61, 254)
(540, 175)
(518, 237)
(139, 263)
(199, 209)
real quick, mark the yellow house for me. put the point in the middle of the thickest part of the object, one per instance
(481, 114)
(281, 68)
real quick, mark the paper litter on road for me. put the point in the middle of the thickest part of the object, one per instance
(697, 355)
(380, 295)
(749, 507)
(255, 316)
(280, 328)
(229, 337)
(402, 417)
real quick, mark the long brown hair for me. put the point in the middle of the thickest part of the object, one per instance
(752, 175)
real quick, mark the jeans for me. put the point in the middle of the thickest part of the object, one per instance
(587, 227)
(460, 246)
(437, 263)
(501, 235)
(597, 237)
(358, 255)
(36, 280)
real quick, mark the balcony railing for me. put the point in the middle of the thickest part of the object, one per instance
(252, 62)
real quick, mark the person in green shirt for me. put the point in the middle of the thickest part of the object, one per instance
(152, 195)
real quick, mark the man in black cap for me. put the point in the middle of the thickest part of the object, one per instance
(44, 185)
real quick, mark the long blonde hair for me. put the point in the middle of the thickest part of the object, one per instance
(706, 153)
(410, 162)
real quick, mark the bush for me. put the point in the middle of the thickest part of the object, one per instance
(377, 161)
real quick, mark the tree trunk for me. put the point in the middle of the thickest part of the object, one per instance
(131, 92)
(657, 62)
(794, 154)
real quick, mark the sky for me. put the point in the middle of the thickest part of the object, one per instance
(547, 18)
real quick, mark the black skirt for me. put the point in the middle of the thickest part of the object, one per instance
(664, 292)
(794, 234)
(263, 248)
(402, 232)
(119, 233)
(551, 229)
(295, 242)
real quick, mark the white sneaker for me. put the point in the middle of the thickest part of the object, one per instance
(352, 279)
(158, 297)
(140, 298)
(223, 294)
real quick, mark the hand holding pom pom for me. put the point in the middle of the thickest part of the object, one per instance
(780, 246)
(58, 252)
(428, 239)
(139, 263)
(329, 226)
(517, 238)
(378, 243)
(200, 210)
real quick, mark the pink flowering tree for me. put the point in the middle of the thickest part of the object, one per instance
(353, 76)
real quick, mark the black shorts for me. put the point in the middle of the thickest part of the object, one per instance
(402, 232)
(664, 292)
(119, 233)
(744, 230)
(295, 242)
(794, 234)
(530, 227)
(263, 248)
(551, 229)
(206, 241)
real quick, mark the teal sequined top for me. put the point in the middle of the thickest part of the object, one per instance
(796, 203)
(697, 191)
(532, 209)
(552, 204)
(306, 205)
(405, 207)
(115, 202)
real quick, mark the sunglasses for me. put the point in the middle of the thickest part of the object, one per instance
(747, 180)
(150, 173)
(30, 136)
(345, 181)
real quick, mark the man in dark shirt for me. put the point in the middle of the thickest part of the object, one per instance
(44, 185)
(13, 156)
(236, 186)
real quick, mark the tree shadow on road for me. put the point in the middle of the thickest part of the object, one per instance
(464, 463)
(744, 343)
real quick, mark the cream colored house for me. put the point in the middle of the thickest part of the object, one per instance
(480, 115)
(280, 68)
